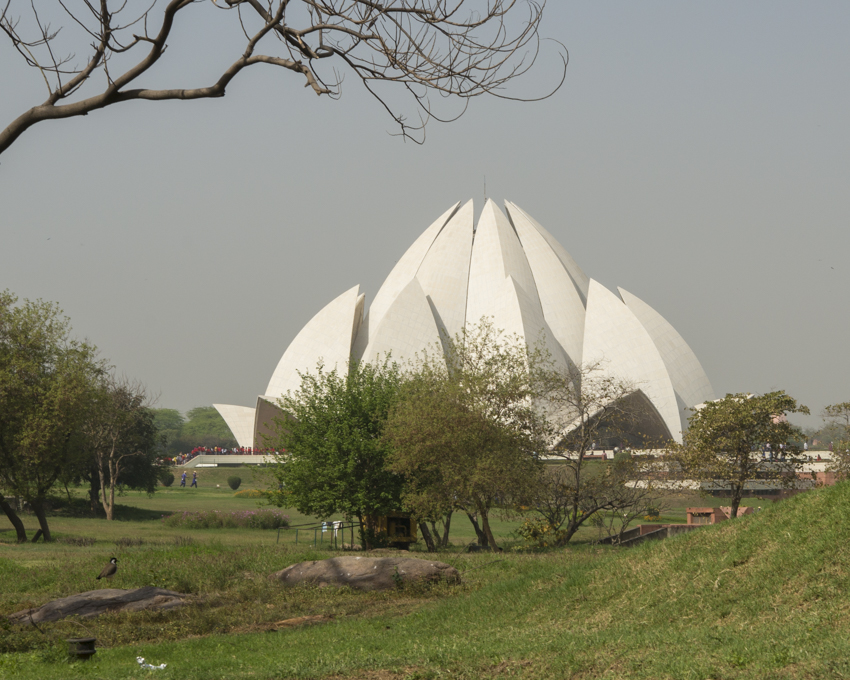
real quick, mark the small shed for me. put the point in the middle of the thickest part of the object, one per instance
(714, 515)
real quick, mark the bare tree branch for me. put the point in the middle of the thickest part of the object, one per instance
(454, 48)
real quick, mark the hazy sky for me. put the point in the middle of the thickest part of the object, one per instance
(698, 155)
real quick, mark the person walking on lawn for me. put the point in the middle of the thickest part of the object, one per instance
(183, 480)
(194, 480)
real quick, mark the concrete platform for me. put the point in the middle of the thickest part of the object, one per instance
(212, 460)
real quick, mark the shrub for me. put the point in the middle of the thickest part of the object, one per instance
(623, 457)
(233, 482)
(215, 519)
(652, 513)
(540, 533)
(249, 493)
(166, 478)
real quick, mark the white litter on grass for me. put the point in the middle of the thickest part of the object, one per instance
(142, 663)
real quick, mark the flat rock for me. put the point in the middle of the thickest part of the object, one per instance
(368, 573)
(97, 602)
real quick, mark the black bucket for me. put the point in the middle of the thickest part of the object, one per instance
(81, 648)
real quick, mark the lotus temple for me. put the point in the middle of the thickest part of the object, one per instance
(508, 268)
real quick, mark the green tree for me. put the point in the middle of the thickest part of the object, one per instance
(723, 444)
(204, 426)
(334, 455)
(122, 436)
(47, 383)
(169, 426)
(464, 431)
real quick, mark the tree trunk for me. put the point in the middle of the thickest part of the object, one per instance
(447, 522)
(435, 532)
(429, 539)
(110, 511)
(573, 525)
(14, 519)
(482, 537)
(737, 493)
(569, 532)
(38, 509)
(94, 490)
(485, 524)
(107, 486)
(365, 539)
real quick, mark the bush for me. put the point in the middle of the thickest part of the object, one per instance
(215, 519)
(540, 533)
(166, 478)
(652, 513)
(623, 457)
(249, 493)
(233, 482)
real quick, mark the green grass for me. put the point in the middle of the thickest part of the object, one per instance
(761, 597)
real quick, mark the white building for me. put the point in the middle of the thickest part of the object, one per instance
(508, 268)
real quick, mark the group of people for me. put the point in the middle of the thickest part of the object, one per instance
(194, 480)
(179, 459)
(183, 458)
(237, 451)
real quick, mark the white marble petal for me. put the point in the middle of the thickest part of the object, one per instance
(359, 308)
(529, 321)
(562, 306)
(686, 373)
(326, 337)
(404, 270)
(407, 328)
(240, 420)
(444, 273)
(496, 255)
(578, 276)
(613, 335)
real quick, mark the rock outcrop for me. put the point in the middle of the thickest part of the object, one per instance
(97, 602)
(368, 573)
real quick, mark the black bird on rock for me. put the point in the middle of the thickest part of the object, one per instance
(109, 570)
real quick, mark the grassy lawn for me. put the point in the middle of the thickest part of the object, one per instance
(761, 597)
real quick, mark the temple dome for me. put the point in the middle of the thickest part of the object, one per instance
(510, 269)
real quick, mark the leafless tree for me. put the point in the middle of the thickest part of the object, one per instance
(587, 404)
(638, 492)
(609, 495)
(451, 48)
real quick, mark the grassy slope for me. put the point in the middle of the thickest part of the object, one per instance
(761, 597)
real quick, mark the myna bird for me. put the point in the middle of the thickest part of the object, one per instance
(109, 570)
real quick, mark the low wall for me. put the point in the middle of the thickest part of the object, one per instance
(650, 532)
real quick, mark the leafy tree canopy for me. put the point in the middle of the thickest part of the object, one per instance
(465, 432)
(122, 436)
(332, 435)
(726, 437)
(169, 424)
(47, 385)
(167, 419)
(203, 426)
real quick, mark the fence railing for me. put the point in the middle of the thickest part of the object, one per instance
(336, 529)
